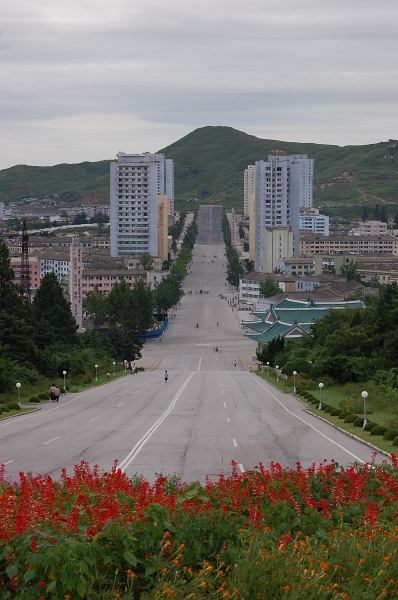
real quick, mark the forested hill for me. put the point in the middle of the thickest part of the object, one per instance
(209, 165)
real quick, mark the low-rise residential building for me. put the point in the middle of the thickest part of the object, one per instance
(105, 279)
(2, 210)
(344, 244)
(34, 271)
(296, 266)
(370, 228)
(311, 219)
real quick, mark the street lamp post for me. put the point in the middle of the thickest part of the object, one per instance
(267, 367)
(320, 396)
(125, 365)
(294, 381)
(114, 368)
(277, 372)
(64, 374)
(96, 372)
(364, 396)
(18, 386)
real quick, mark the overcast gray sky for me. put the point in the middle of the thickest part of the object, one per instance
(82, 79)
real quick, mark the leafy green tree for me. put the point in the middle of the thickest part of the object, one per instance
(80, 219)
(383, 215)
(126, 346)
(376, 214)
(269, 288)
(146, 261)
(271, 350)
(6, 371)
(248, 265)
(396, 219)
(365, 214)
(350, 272)
(95, 304)
(50, 305)
(144, 303)
(167, 293)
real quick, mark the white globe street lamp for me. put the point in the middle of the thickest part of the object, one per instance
(320, 396)
(294, 381)
(18, 386)
(114, 368)
(364, 396)
(277, 372)
(267, 367)
(64, 374)
(96, 372)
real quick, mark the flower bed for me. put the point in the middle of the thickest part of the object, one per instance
(271, 533)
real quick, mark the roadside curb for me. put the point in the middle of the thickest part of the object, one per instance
(351, 435)
(155, 366)
(19, 414)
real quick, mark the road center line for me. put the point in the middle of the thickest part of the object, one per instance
(136, 392)
(234, 441)
(303, 421)
(241, 468)
(135, 450)
(94, 419)
(119, 404)
(200, 362)
(8, 462)
(51, 440)
(225, 406)
(228, 420)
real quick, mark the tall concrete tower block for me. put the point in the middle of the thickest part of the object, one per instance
(75, 282)
(248, 188)
(137, 181)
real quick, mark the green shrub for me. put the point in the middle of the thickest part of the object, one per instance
(5, 409)
(395, 441)
(34, 399)
(350, 418)
(369, 425)
(335, 412)
(390, 435)
(358, 422)
(379, 430)
(343, 414)
(325, 407)
(44, 396)
(329, 409)
(14, 406)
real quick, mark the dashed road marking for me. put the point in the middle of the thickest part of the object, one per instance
(234, 441)
(56, 438)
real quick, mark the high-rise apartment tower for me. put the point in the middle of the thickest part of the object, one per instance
(138, 186)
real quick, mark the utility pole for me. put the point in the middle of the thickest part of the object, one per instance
(25, 274)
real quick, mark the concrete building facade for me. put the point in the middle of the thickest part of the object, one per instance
(248, 187)
(344, 244)
(278, 243)
(283, 185)
(311, 219)
(136, 183)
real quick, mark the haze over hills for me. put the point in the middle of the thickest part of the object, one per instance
(209, 164)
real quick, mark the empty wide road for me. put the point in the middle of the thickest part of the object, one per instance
(208, 414)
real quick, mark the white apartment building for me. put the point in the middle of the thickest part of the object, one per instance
(136, 183)
(283, 184)
(370, 228)
(311, 219)
(2, 210)
(278, 243)
(248, 187)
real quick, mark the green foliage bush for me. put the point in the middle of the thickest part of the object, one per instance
(395, 441)
(34, 400)
(26, 375)
(335, 412)
(350, 418)
(390, 435)
(14, 406)
(5, 409)
(358, 422)
(379, 430)
(343, 414)
(43, 396)
(328, 409)
(369, 425)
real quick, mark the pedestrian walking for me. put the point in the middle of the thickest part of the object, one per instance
(235, 363)
(51, 392)
(57, 393)
(166, 376)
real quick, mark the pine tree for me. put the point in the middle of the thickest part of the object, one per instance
(376, 215)
(396, 218)
(383, 215)
(50, 305)
(365, 214)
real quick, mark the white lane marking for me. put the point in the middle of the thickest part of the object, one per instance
(303, 421)
(51, 440)
(222, 391)
(94, 419)
(241, 468)
(134, 451)
(148, 384)
(200, 362)
(225, 406)
(234, 441)
(136, 392)
(228, 420)
(119, 404)
(8, 462)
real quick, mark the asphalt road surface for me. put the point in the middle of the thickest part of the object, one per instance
(208, 414)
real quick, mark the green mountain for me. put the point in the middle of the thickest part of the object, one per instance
(209, 164)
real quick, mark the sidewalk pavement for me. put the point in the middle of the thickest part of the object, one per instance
(249, 362)
(148, 363)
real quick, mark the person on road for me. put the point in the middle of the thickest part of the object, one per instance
(57, 393)
(51, 392)
(166, 376)
(197, 325)
(235, 363)
(217, 323)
